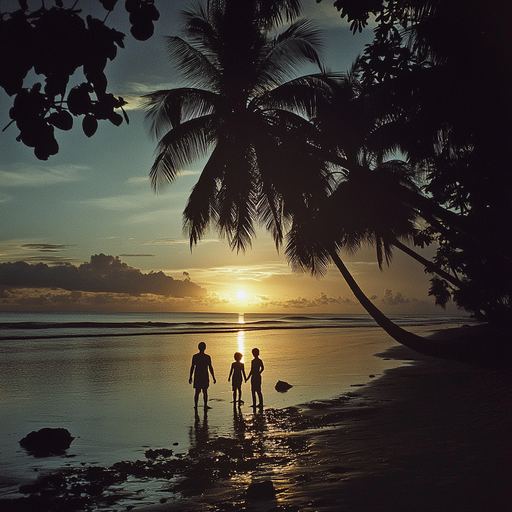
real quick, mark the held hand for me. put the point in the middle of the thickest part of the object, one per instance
(190, 380)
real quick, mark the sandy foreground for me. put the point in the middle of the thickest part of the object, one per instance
(434, 435)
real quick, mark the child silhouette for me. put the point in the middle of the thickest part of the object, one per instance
(255, 376)
(237, 371)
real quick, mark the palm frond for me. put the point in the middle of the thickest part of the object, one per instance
(192, 64)
(306, 250)
(270, 211)
(181, 146)
(384, 250)
(276, 12)
(201, 29)
(238, 196)
(286, 54)
(203, 206)
(303, 95)
(169, 108)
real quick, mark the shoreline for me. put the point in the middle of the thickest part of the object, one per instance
(435, 437)
(431, 435)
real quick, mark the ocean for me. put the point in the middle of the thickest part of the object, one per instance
(119, 381)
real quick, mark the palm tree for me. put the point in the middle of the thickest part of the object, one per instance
(348, 128)
(234, 114)
(347, 120)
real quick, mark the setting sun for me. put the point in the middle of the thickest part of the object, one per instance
(241, 295)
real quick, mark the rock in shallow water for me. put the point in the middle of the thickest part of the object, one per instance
(282, 386)
(47, 442)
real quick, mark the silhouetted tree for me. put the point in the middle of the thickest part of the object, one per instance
(439, 75)
(235, 115)
(55, 42)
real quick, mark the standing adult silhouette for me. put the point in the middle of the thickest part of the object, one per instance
(201, 365)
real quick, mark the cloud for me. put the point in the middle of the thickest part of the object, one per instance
(103, 274)
(136, 255)
(46, 247)
(137, 180)
(135, 90)
(394, 300)
(322, 302)
(61, 300)
(174, 241)
(23, 175)
(28, 251)
(114, 203)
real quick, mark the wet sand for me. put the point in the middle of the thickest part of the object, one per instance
(432, 436)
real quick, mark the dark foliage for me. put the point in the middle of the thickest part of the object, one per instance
(55, 43)
(441, 71)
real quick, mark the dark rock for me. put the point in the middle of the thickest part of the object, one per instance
(263, 491)
(282, 386)
(47, 441)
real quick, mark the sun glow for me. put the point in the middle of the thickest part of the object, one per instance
(241, 295)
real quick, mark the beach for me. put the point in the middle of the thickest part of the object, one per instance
(433, 436)
(427, 434)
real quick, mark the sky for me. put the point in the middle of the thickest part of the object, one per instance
(105, 241)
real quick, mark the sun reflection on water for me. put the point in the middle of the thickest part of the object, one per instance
(241, 342)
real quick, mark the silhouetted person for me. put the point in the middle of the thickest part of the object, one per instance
(255, 376)
(237, 371)
(201, 364)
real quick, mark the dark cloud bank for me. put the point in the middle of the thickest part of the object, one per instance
(102, 274)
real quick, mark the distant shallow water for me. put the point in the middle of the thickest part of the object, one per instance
(43, 325)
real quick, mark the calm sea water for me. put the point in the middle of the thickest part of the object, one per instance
(119, 381)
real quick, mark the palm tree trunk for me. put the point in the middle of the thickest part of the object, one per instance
(413, 341)
(485, 346)
(427, 264)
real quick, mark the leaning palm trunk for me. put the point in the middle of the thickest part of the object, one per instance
(429, 266)
(413, 341)
(486, 345)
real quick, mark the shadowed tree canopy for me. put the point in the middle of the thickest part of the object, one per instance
(438, 76)
(56, 42)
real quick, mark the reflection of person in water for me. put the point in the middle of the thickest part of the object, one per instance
(201, 365)
(200, 435)
(255, 376)
(237, 371)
